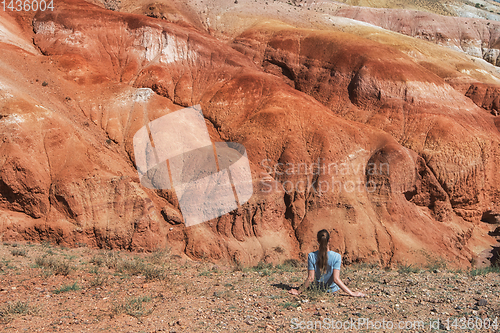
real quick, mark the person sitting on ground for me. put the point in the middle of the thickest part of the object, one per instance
(323, 268)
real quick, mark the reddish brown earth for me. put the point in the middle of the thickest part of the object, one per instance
(374, 115)
(485, 96)
(117, 291)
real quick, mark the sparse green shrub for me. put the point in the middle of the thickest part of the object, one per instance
(154, 273)
(160, 256)
(293, 263)
(288, 305)
(99, 280)
(46, 244)
(94, 270)
(18, 307)
(137, 266)
(133, 267)
(226, 294)
(364, 265)
(315, 291)
(5, 263)
(110, 259)
(262, 265)
(12, 309)
(18, 252)
(484, 270)
(406, 269)
(205, 273)
(238, 267)
(66, 288)
(133, 307)
(264, 269)
(55, 265)
(97, 260)
(289, 265)
(434, 264)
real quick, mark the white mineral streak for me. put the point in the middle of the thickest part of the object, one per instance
(165, 47)
(9, 37)
(151, 40)
(75, 38)
(143, 94)
(13, 119)
(176, 49)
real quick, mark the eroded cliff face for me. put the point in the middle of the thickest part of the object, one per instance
(341, 132)
(382, 87)
(477, 37)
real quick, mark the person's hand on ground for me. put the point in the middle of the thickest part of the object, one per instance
(357, 294)
(293, 291)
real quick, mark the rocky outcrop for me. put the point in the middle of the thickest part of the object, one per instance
(486, 96)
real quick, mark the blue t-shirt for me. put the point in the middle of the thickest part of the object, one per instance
(334, 261)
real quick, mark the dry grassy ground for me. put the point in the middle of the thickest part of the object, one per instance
(44, 288)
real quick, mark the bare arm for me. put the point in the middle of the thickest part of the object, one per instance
(338, 281)
(307, 282)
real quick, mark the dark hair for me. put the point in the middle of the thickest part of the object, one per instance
(323, 238)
